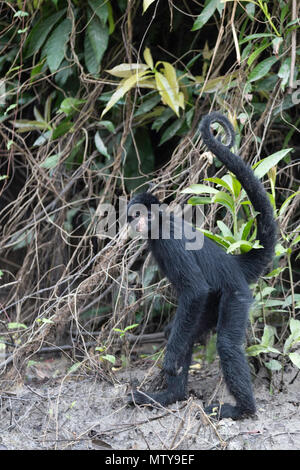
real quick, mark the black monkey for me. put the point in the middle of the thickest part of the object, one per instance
(212, 287)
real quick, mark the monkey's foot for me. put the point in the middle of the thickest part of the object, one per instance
(162, 398)
(218, 411)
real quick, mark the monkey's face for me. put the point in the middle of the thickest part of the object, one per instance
(143, 214)
(141, 219)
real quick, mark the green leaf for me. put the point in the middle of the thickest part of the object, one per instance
(170, 75)
(220, 182)
(261, 69)
(108, 125)
(20, 14)
(25, 125)
(44, 320)
(47, 109)
(250, 8)
(286, 203)
(127, 70)
(217, 238)
(233, 183)
(256, 53)
(66, 70)
(20, 240)
(70, 105)
(98, 38)
(280, 250)
(273, 365)
(37, 114)
(62, 129)
(246, 229)
(264, 165)
(243, 245)
(37, 70)
(162, 119)
(130, 327)
(287, 344)
(206, 14)
(100, 146)
(274, 273)
(38, 34)
(268, 336)
(295, 358)
(189, 117)
(10, 107)
(89, 59)
(100, 8)
(256, 349)
(146, 4)
(123, 87)
(295, 240)
(171, 131)
(15, 325)
(51, 162)
(148, 58)
(226, 232)
(265, 292)
(111, 21)
(295, 325)
(42, 139)
(256, 36)
(148, 104)
(225, 199)
(260, 348)
(284, 72)
(118, 330)
(199, 189)
(74, 367)
(110, 358)
(166, 92)
(276, 43)
(196, 200)
(274, 303)
(55, 46)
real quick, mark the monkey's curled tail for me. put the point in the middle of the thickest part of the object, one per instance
(255, 261)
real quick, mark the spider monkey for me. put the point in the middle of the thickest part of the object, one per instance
(212, 287)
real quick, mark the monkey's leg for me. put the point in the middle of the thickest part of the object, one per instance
(231, 328)
(178, 353)
(176, 387)
(185, 326)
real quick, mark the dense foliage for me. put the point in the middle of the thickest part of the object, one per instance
(97, 98)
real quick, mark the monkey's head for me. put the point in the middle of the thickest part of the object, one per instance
(143, 212)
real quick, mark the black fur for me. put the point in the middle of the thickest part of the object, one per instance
(212, 288)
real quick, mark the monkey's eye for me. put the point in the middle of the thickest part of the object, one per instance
(133, 216)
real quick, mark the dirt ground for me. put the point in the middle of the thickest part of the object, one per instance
(56, 410)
